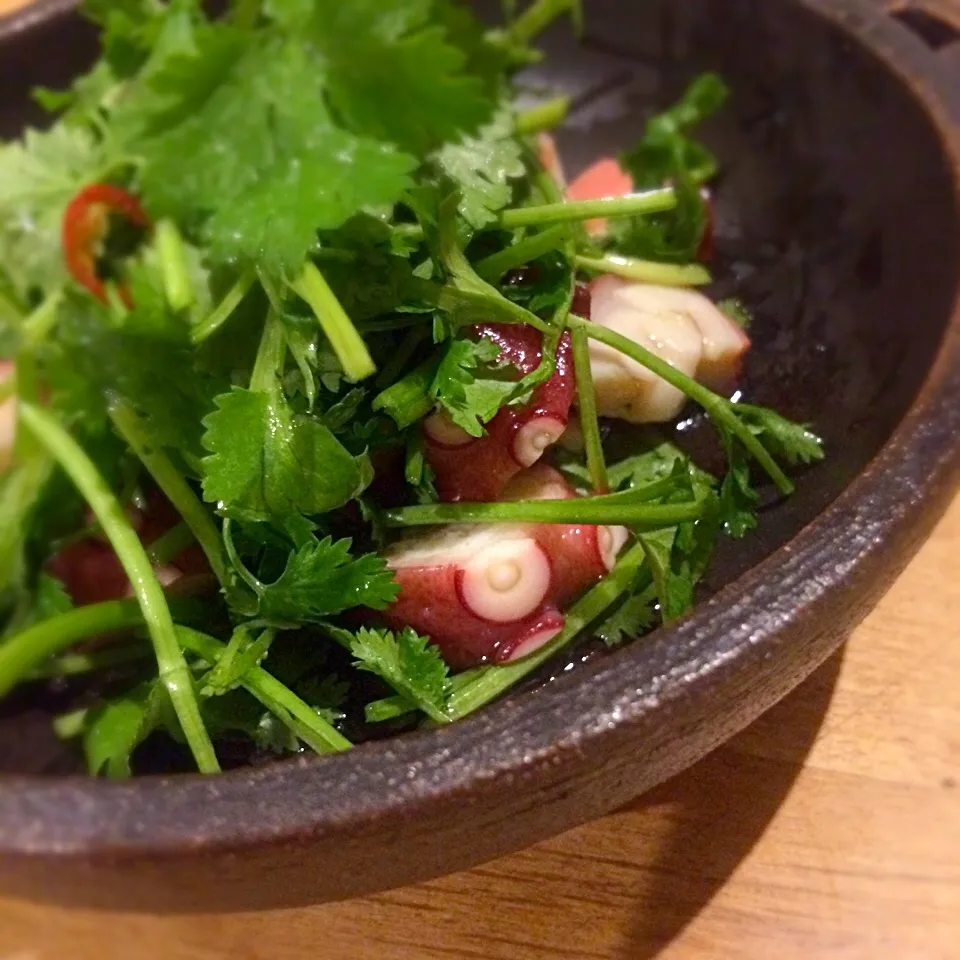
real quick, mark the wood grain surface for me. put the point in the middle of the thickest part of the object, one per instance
(829, 829)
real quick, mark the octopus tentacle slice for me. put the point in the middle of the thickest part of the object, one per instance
(681, 326)
(494, 592)
(476, 469)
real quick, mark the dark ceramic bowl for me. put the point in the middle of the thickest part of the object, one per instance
(840, 226)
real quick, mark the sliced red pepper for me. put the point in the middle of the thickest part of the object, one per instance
(85, 225)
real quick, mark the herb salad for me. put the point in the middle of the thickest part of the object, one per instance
(314, 357)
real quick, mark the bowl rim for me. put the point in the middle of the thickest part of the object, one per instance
(896, 498)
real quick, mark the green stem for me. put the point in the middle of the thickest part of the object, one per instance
(629, 508)
(242, 652)
(539, 15)
(492, 306)
(521, 253)
(347, 343)
(467, 290)
(571, 211)
(574, 211)
(389, 708)
(177, 283)
(207, 327)
(587, 403)
(491, 682)
(38, 325)
(546, 116)
(237, 563)
(168, 546)
(647, 271)
(720, 410)
(270, 355)
(280, 700)
(172, 666)
(550, 189)
(272, 290)
(25, 652)
(173, 485)
(36, 328)
(409, 399)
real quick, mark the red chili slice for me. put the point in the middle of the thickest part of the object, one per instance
(85, 224)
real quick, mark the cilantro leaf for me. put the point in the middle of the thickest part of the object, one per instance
(695, 545)
(677, 559)
(466, 386)
(147, 361)
(117, 727)
(21, 492)
(237, 712)
(393, 74)
(86, 97)
(322, 578)
(418, 472)
(466, 298)
(267, 462)
(656, 464)
(658, 550)
(673, 237)
(189, 59)
(268, 165)
(667, 146)
(39, 175)
(130, 29)
(327, 695)
(738, 499)
(782, 439)
(275, 220)
(482, 167)
(735, 310)
(50, 598)
(374, 283)
(489, 58)
(794, 442)
(634, 617)
(301, 664)
(407, 662)
(668, 153)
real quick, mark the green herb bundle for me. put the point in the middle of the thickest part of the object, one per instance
(327, 196)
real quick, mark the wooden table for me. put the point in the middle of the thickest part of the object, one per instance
(830, 829)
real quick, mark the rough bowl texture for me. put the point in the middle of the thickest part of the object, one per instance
(840, 224)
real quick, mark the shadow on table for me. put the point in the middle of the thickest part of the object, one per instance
(719, 810)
